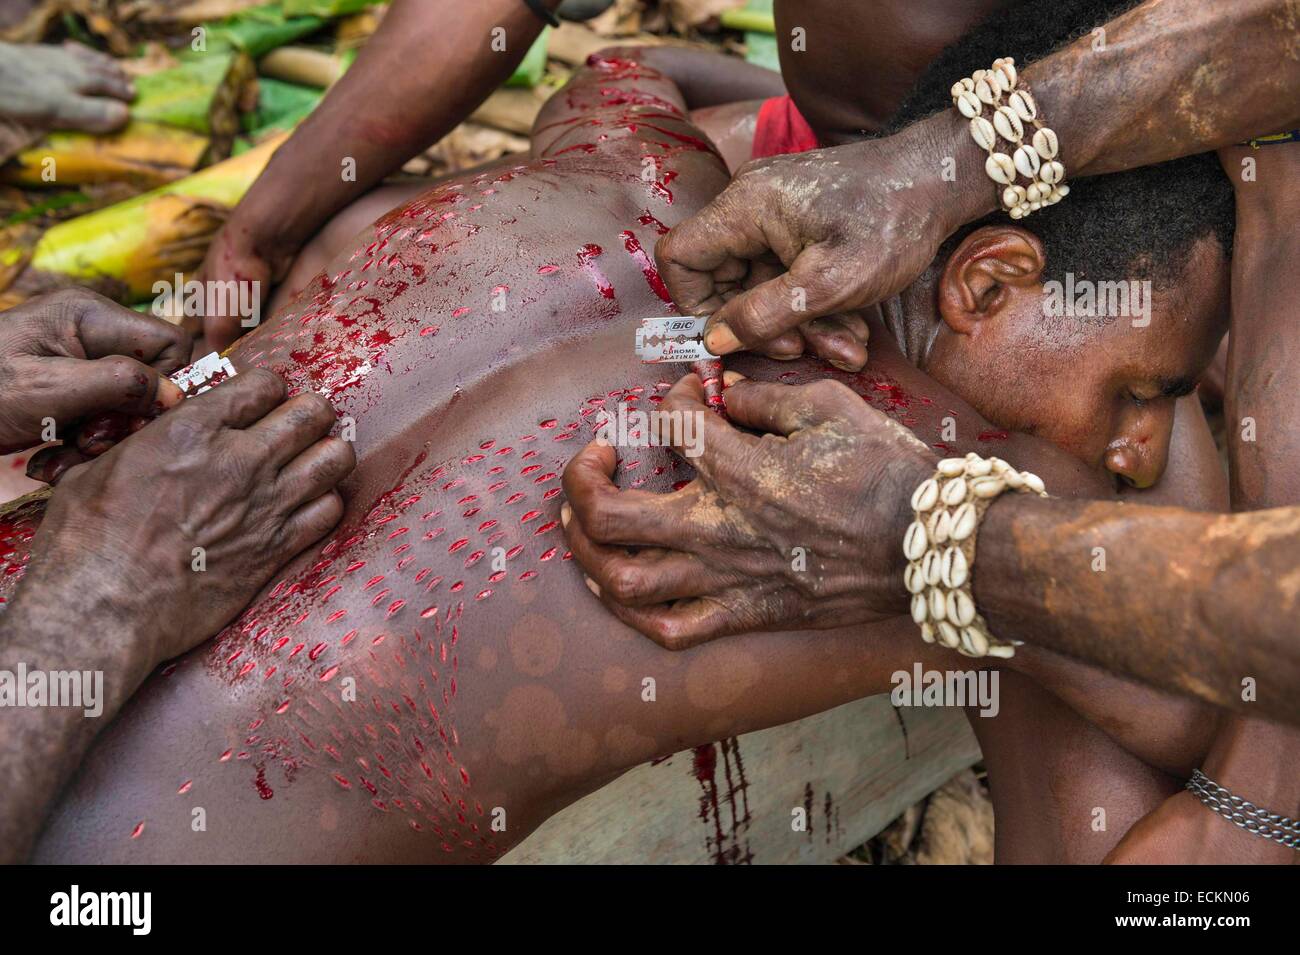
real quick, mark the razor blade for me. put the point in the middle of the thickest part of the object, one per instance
(671, 339)
(201, 376)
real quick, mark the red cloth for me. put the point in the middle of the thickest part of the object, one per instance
(781, 129)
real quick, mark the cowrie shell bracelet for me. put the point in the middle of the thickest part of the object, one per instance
(940, 549)
(1013, 115)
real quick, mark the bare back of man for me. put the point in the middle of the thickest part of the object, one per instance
(439, 664)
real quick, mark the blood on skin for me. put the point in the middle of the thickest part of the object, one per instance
(586, 261)
(648, 269)
(17, 530)
(647, 219)
(307, 724)
(342, 336)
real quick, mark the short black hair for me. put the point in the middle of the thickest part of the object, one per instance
(1140, 223)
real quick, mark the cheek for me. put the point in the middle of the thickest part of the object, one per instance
(1078, 426)
(1059, 406)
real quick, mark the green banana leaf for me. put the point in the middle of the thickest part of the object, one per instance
(533, 67)
(327, 8)
(259, 30)
(280, 105)
(184, 95)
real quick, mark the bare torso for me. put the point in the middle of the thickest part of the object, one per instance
(439, 661)
(396, 687)
(882, 45)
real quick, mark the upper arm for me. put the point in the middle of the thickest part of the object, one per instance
(1263, 394)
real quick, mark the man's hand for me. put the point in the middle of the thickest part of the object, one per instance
(236, 255)
(794, 243)
(178, 528)
(151, 549)
(801, 526)
(74, 355)
(67, 87)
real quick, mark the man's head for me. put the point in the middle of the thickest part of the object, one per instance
(1084, 322)
(1090, 361)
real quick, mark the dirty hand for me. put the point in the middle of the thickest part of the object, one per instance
(801, 526)
(181, 526)
(795, 244)
(75, 357)
(63, 87)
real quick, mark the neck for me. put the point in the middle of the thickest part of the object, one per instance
(912, 317)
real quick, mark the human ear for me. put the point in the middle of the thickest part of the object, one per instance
(987, 270)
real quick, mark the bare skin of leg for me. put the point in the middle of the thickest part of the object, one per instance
(1050, 771)
(730, 127)
(1182, 831)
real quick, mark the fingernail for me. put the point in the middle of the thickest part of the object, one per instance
(729, 378)
(721, 340)
(592, 586)
(566, 514)
(169, 394)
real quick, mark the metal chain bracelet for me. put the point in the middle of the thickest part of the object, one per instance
(1244, 814)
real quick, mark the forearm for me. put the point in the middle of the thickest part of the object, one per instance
(430, 64)
(1169, 78)
(1195, 603)
(47, 636)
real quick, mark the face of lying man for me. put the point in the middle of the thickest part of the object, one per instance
(1103, 388)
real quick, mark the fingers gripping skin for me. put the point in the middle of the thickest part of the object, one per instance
(71, 356)
(777, 531)
(841, 229)
(192, 516)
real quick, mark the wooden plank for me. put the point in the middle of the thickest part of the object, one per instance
(850, 771)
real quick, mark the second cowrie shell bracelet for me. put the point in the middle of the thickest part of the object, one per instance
(940, 550)
(1014, 113)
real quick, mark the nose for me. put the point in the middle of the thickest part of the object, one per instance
(1139, 450)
